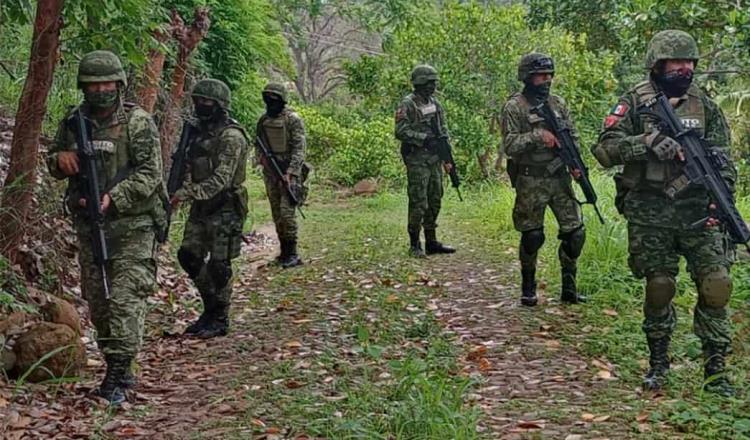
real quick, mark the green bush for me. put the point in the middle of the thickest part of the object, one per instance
(347, 150)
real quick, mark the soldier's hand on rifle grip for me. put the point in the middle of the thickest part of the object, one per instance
(174, 202)
(106, 202)
(549, 139)
(67, 161)
(447, 167)
(576, 173)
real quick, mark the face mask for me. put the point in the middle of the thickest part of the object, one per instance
(273, 106)
(101, 99)
(426, 90)
(538, 92)
(205, 112)
(676, 82)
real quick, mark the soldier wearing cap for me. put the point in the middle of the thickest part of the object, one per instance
(659, 225)
(540, 178)
(214, 184)
(128, 157)
(420, 121)
(283, 131)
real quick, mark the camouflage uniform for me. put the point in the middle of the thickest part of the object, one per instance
(284, 134)
(659, 229)
(420, 119)
(129, 160)
(214, 183)
(540, 179)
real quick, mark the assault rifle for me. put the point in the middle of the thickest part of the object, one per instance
(702, 167)
(292, 191)
(569, 153)
(91, 192)
(177, 171)
(445, 153)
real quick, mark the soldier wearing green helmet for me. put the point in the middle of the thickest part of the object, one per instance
(540, 178)
(660, 223)
(283, 131)
(214, 185)
(126, 141)
(420, 121)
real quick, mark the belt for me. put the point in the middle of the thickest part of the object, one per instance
(537, 171)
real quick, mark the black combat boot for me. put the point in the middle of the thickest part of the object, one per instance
(111, 387)
(128, 379)
(432, 246)
(570, 293)
(415, 247)
(714, 370)
(528, 287)
(291, 259)
(206, 316)
(658, 361)
(218, 326)
(284, 254)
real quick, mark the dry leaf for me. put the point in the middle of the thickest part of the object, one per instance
(484, 364)
(604, 374)
(587, 417)
(610, 312)
(477, 353)
(531, 424)
(602, 419)
(294, 344)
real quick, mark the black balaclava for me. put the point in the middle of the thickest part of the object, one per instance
(674, 83)
(208, 112)
(537, 93)
(427, 89)
(274, 104)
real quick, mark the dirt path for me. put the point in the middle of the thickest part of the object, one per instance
(534, 380)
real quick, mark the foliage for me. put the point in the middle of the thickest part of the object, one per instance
(348, 148)
(722, 28)
(243, 38)
(476, 50)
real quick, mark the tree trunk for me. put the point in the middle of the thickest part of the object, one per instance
(148, 89)
(187, 39)
(18, 189)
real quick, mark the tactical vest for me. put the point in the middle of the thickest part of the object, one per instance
(540, 156)
(277, 132)
(110, 142)
(653, 174)
(426, 114)
(204, 154)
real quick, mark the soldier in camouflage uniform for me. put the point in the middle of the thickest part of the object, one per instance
(540, 178)
(283, 131)
(658, 225)
(214, 184)
(128, 156)
(420, 121)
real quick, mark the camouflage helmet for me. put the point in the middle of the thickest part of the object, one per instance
(100, 66)
(671, 45)
(423, 74)
(213, 89)
(276, 89)
(534, 63)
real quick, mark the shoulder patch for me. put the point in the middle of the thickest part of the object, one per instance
(618, 112)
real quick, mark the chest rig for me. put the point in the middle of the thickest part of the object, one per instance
(541, 156)
(655, 174)
(277, 132)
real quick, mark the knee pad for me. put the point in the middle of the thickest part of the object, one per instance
(190, 262)
(532, 240)
(572, 242)
(715, 287)
(220, 272)
(660, 289)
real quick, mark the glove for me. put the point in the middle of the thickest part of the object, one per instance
(664, 147)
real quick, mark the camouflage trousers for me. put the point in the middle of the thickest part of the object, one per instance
(131, 272)
(533, 195)
(217, 237)
(656, 249)
(424, 173)
(284, 213)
